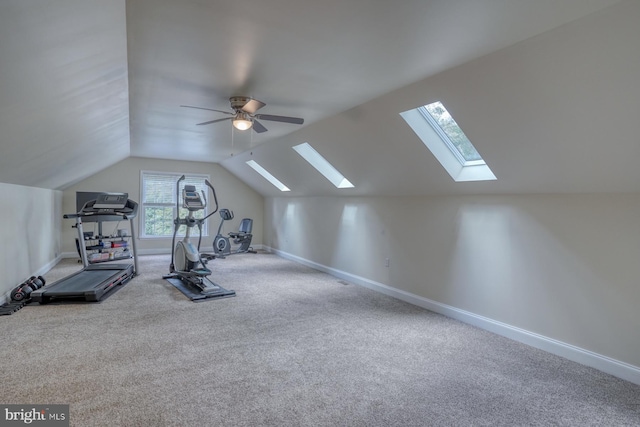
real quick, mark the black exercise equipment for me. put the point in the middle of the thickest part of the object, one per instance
(188, 271)
(22, 292)
(36, 282)
(20, 295)
(95, 282)
(221, 244)
(11, 307)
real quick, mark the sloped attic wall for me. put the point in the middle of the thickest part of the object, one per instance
(64, 80)
(554, 114)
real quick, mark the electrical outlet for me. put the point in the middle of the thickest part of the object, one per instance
(387, 261)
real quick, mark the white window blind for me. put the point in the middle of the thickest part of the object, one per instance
(158, 191)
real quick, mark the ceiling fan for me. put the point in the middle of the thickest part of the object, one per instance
(244, 114)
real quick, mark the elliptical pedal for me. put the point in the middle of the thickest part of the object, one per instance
(201, 272)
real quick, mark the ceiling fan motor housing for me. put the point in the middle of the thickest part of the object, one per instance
(237, 102)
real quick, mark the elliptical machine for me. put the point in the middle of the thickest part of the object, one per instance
(188, 271)
(221, 244)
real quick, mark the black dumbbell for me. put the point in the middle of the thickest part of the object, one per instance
(36, 282)
(22, 292)
(32, 283)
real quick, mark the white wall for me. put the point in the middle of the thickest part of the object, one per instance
(125, 177)
(29, 233)
(564, 267)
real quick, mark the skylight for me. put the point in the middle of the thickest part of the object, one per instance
(322, 165)
(448, 143)
(442, 122)
(265, 173)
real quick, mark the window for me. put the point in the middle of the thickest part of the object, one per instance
(158, 194)
(267, 175)
(322, 165)
(440, 133)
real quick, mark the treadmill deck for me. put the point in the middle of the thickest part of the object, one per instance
(90, 284)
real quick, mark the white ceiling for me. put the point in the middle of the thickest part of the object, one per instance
(348, 67)
(311, 59)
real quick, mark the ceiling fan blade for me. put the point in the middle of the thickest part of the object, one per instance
(208, 109)
(284, 119)
(252, 106)
(258, 127)
(213, 121)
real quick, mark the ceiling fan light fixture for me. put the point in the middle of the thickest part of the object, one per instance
(242, 122)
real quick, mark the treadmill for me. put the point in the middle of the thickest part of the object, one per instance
(95, 281)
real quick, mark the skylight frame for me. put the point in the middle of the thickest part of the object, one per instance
(322, 165)
(431, 135)
(267, 175)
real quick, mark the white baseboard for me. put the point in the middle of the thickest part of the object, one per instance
(606, 364)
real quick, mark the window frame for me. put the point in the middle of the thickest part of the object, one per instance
(144, 205)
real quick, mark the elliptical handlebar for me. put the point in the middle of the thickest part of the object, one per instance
(178, 195)
(176, 224)
(215, 198)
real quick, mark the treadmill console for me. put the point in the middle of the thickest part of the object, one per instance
(109, 204)
(191, 198)
(111, 201)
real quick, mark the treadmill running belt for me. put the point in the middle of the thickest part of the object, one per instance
(91, 284)
(78, 283)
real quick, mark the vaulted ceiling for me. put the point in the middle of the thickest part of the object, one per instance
(546, 90)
